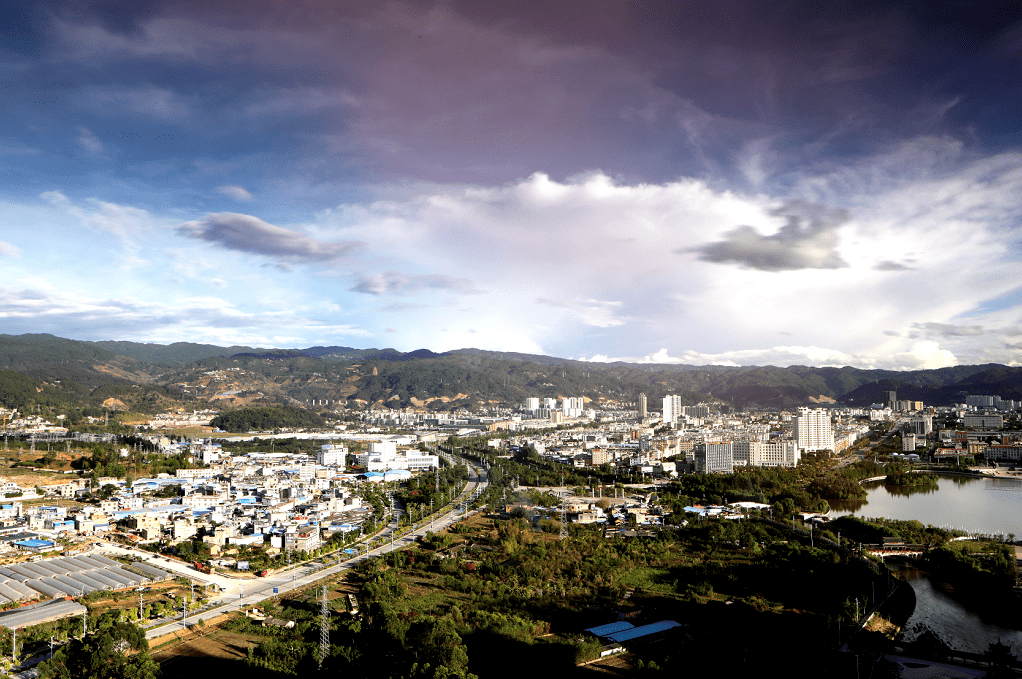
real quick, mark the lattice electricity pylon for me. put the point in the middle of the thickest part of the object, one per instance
(324, 630)
(564, 521)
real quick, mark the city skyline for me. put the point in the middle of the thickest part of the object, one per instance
(739, 184)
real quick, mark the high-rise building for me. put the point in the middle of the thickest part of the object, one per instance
(642, 406)
(921, 425)
(812, 429)
(532, 404)
(891, 399)
(672, 409)
(572, 406)
(713, 458)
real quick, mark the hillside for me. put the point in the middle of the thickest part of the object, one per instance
(54, 358)
(145, 377)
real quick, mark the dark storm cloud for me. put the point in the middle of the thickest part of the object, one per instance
(808, 240)
(245, 233)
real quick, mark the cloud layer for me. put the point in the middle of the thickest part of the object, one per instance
(518, 176)
(245, 233)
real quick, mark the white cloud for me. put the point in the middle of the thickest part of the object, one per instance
(236, 192)
(9, 250)
(154, 103)
(395, 282)
(917, 248)
(89, 141)
(594, 312)
(38, 306)
(125, 223)
(919, 356)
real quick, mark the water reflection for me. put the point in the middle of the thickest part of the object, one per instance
(973, 504)
(905, 491)
(842, 507)
(954, 624)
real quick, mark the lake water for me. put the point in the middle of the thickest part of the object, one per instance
(976, 505)
(952, 622)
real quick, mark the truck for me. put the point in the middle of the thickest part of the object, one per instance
(201, 567)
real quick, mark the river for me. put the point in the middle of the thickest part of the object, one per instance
(956, 625)
(976, 505)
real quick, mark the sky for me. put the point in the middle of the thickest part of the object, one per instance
(737, 183)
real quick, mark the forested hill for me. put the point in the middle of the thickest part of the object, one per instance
(55, 358)
(91, 373)
(176, 354)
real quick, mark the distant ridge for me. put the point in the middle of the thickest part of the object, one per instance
(176, 354)
(329, 376)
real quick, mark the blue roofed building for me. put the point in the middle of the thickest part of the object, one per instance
(643, 631)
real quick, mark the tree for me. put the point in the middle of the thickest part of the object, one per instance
(115, 650)
(439, 644)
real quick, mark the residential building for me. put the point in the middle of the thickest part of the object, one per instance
(812, 430)
(672, 409)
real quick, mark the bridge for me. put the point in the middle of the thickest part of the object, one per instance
(894, 549)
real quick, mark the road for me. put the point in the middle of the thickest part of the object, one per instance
(243, 593)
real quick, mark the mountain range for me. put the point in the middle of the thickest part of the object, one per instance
(54, 371)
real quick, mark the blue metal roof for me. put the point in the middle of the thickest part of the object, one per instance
(609, 628)
(643, 631)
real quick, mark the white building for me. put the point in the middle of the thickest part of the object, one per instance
(388, 458)
(572, 406)
(812, 429)
(672, 409)
(332, 454)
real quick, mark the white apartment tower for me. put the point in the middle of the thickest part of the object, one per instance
(572, 406)
(672, 409)
(812, 430)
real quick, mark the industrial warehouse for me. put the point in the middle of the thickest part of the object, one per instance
(71, 576)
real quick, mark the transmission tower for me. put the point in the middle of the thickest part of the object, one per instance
(324, 630)
(564, 519)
